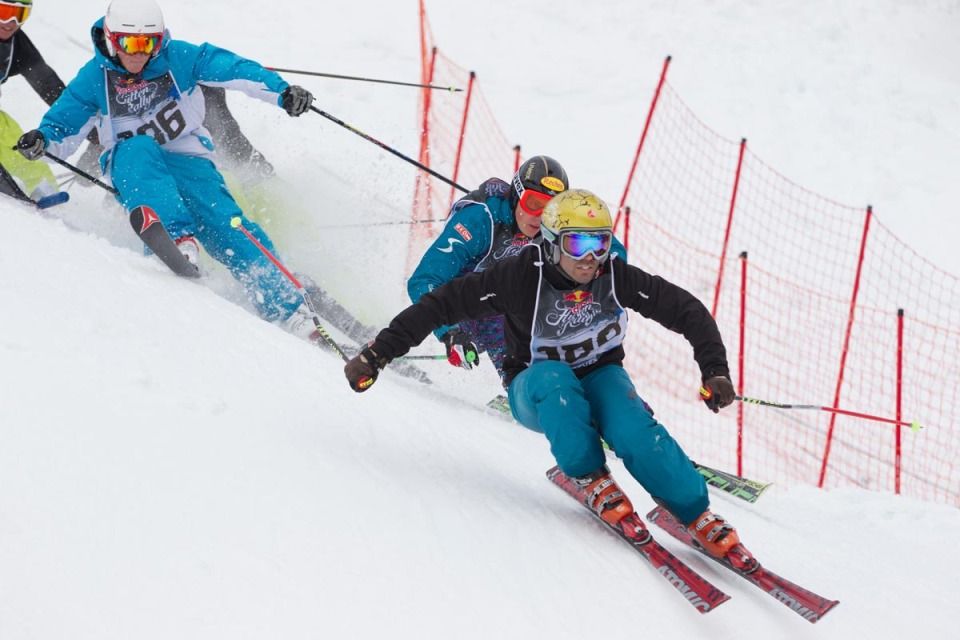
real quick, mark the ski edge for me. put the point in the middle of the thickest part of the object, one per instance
(697, 590)
(808, 605)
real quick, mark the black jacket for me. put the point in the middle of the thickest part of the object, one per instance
(527, 291)
(18, 56)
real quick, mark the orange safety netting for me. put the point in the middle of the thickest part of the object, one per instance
(807, 293)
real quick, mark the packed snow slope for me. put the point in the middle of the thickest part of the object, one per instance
(171, 466)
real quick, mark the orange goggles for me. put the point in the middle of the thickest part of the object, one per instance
(131, 43)
(10, 11)
(532, 202)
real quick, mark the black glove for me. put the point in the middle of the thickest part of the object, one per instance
(295, 100)
(362, 370)
(461, 349)
(31, 145)
(717, 392)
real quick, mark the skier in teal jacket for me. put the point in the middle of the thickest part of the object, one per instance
(142, 92)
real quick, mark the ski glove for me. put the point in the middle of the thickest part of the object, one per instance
(461, 349)
(295, 100)
(362, 369)
(31, 145)
(717, 393)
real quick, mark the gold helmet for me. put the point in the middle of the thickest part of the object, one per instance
(576, 223)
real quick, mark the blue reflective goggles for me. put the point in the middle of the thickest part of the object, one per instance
(578, 244)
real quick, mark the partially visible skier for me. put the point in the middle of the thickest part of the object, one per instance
(21, 178)
(490, 224)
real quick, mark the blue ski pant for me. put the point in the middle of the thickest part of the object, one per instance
(575, 414)
(190, 197)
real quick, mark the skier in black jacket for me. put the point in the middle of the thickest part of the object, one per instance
(565, 319)
(19, 177)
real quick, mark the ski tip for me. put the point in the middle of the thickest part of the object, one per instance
(53, 200)
(826, 609)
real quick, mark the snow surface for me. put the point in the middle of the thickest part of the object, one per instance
(171, 466)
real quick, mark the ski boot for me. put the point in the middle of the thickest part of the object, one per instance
(719, 539)
(604, 496)
(190, 249)
(301, 324)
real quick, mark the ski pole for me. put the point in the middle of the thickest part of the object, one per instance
(362, 79)
(914, 425)
(388, 223)
(389, 149)
(80, 172)
(351, 351)
(237, 223)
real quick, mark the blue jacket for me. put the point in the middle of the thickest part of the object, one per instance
(163, 101)
(481, 231)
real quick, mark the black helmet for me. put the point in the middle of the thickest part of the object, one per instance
(539, 173)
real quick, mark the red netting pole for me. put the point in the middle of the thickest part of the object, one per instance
(516, 158)
(726, 234)
(463, 133)
(846, 345)
(626, 229)
(423, 180)
(643, 137)
(422, 202)
(426, 77)
(740, 359)
(423, 41)
(896, 455)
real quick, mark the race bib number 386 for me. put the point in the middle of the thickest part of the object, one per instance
(140, 106)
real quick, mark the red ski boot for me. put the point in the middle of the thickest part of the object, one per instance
(720, 540)
(604, 496)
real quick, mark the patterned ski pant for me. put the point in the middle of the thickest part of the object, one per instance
(489, 336)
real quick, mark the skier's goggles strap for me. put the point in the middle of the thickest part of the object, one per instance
(532, 202)
(131, 43)
(10, 11)
(578, 244)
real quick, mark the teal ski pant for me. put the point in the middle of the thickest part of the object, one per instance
(190, 198)
(575, 414)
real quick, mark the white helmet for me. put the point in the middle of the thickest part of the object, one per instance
(132, 16)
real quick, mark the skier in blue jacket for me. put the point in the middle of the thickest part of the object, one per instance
(142, 92)
(487, 225)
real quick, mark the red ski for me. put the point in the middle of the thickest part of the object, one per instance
(701, 594)
(806, 604)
